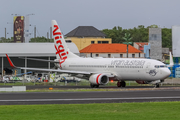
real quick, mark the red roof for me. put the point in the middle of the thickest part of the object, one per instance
(141, 43)
(109, 48)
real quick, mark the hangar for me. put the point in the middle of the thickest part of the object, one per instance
(31, 50)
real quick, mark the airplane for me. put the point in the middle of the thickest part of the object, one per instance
(99, 71)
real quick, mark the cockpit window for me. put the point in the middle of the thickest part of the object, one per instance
(156, 66)
(160, 66)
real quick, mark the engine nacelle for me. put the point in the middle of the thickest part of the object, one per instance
(99, 79)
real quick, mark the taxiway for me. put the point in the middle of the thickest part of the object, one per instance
(89, 97)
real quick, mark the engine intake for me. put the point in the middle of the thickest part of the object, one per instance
(99, 79)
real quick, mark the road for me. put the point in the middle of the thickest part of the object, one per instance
(88, 97)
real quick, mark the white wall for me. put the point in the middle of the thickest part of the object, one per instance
(115, 55)
(136, 46)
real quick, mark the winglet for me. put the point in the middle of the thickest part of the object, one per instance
(171, 59)
(171, 63)
(10, 62)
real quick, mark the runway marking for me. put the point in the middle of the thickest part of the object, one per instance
(134, 98)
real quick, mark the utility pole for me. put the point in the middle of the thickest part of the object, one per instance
(47, 35)
(5, 33)
(50, 32)
(34, 31)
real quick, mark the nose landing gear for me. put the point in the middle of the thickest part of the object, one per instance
(157, 85)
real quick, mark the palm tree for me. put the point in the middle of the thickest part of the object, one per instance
(127, 38)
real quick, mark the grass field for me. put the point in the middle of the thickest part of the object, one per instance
(128, 83)
(83, 83)
(111, 111)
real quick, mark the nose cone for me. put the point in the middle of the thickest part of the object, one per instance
(166, 73)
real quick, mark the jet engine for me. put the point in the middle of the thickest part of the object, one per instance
(99, 79)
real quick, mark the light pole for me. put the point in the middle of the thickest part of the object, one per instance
(10, 33)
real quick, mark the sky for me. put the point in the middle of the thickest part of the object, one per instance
(102, 14)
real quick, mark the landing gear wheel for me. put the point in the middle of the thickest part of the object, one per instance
(94, 86)
(157, 85)
(123, 84)
(118, 84)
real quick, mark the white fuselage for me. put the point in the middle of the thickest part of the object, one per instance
(122, 68)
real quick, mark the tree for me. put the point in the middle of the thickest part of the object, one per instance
(41, 39)
(139, 34)
(4, 40)
(127, 38)
(115, 34)
(167, 38)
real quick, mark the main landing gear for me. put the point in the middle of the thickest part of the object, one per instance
(94, 86)
(121, 84)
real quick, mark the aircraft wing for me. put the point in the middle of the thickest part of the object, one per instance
(58, 70)
(55, 70)
(47, 70)
(40, 60)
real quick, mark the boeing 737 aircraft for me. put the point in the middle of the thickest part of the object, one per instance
(99, 71)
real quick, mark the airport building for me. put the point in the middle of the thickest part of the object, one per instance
(83, 36)
(114, 50)
(31, 50)
(140, 45)
(155, 40)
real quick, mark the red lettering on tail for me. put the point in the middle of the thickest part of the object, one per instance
(57, 37)
(63, 54)
(59, 41)
(58, 46)
(54, 31)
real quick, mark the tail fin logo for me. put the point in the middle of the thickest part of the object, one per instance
(60, 50)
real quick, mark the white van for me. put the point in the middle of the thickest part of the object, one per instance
(6, 79)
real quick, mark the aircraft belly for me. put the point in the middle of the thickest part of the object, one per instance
(131, 75)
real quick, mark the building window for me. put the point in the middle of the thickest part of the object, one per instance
(139, 55)
(91, 54)
(92, 42)
(99, 42)
(97, 55)
(133, 55)
(109, 55)
(105, 41)
(121, 55)
(68, 41)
